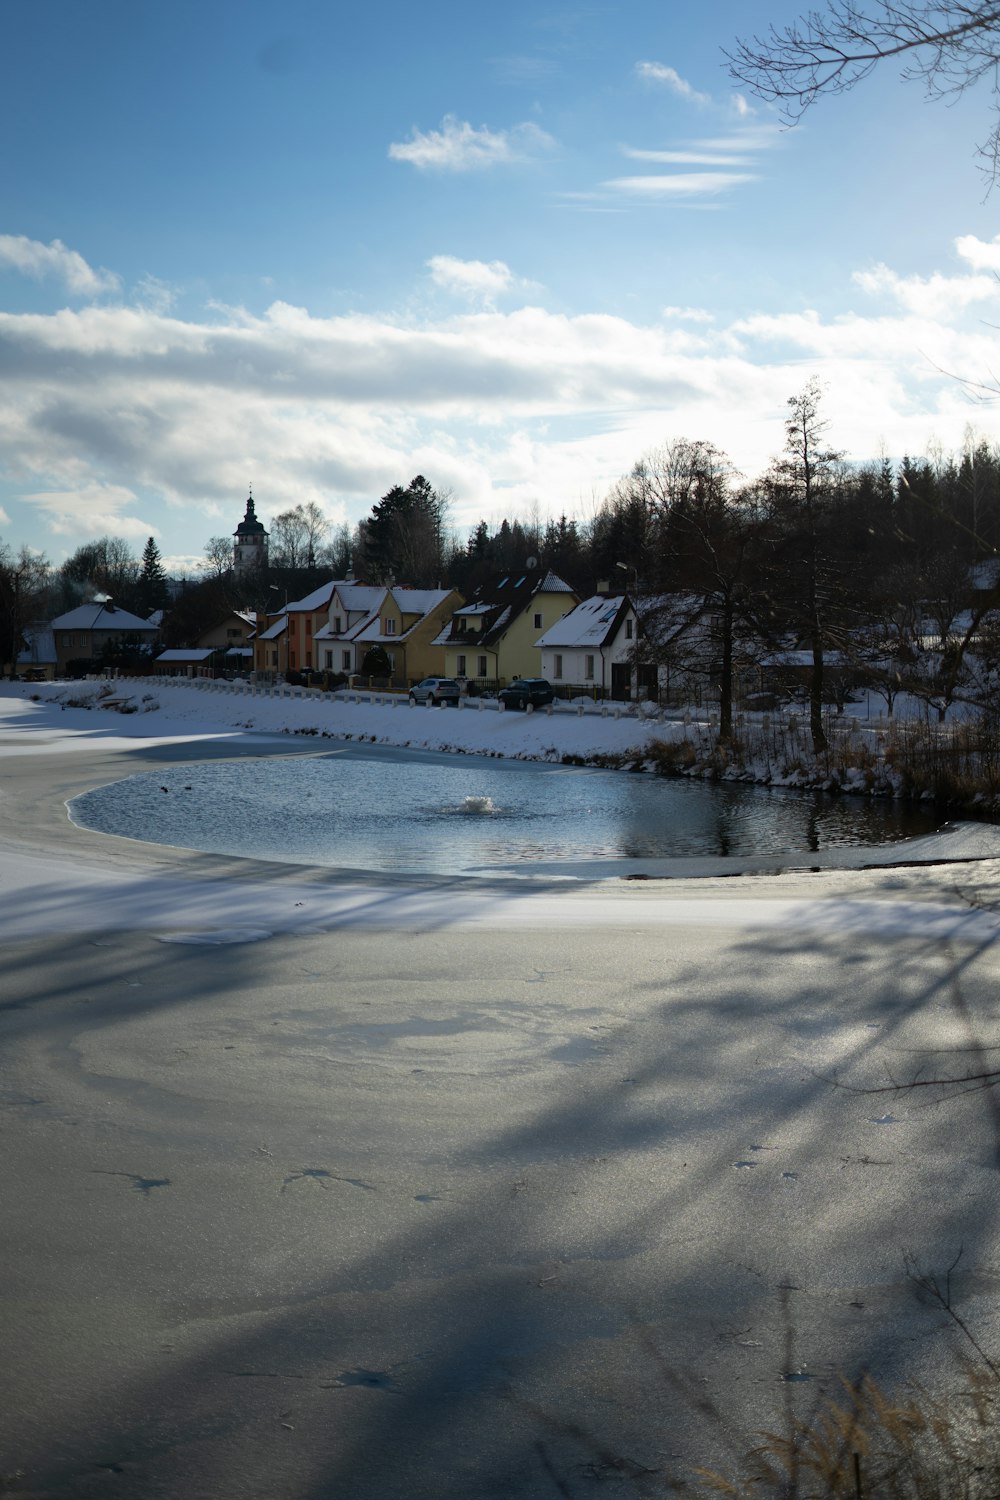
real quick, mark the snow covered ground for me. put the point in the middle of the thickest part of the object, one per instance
(218, 709)
(317, 1184)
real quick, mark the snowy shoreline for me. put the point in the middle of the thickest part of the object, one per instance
(775, 752)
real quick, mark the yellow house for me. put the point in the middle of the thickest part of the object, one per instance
(492, 639)
(407, 625)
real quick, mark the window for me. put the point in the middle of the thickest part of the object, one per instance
(461, 666)
(233, 635)
(538, 622)
(329, 660)
(628, 630)
(336, 624)
(390, 627)
(346, 661)
(481, 666)
(557, 667)
(392, 661)
(588, 668)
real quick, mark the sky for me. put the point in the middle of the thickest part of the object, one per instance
(319, 249)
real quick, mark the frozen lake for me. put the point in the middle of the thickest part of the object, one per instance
(378, 808)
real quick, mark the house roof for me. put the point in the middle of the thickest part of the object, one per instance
(318, 599)
(592, 623)
(100, 615)
(275, 631)
(419, 601)
(496, 606)
(185, 654)
(665, 617)
(360, 596)
(411, 601)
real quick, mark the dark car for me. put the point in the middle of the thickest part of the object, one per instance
(436, 690)
(526, 690)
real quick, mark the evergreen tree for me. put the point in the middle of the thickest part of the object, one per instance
(151, 589)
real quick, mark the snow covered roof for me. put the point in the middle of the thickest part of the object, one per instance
(591, 623)
(360, 596)
(666, 616)
(553, 584)
(318, 599)
(473, 609)
(275, 631)
(419, 601)
(100, 615)
(184, 654)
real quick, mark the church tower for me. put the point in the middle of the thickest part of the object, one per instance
(250, 545)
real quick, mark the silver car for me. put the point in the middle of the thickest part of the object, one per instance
(436, 690)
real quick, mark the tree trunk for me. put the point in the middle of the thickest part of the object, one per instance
(726, 684)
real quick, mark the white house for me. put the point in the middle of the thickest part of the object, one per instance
(351, 607)
(591, 647)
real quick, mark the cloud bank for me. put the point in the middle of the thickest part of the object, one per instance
(113, 415)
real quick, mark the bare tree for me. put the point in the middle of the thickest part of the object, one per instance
(803, 482)
(946, 45)
(23, 579)
(106, 566)
(289, 546)
(218, 557)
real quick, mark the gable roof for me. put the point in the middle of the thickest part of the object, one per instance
(100, 615)
(357, 597)
(417, 601)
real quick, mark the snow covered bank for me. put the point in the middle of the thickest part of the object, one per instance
(170, 707)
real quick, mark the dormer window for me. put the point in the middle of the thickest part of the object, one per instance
(337, 626)
(390, 627)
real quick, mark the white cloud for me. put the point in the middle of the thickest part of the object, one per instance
(478, 280)
(690, 314)
(656, 72)
(933, 296)
(39, 261)
(686, 158)
(679, 184)
(155, 294)
(95, 509)
(741, 107)
(982, 255)
(460, 147)
(752, 138)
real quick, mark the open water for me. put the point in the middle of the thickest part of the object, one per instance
(384, 809)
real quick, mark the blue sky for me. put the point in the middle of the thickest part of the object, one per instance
(320, 248)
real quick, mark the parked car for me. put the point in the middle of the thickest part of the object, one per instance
(525, 690)
(436, 690)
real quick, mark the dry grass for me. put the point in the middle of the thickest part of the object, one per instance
(867, 1445)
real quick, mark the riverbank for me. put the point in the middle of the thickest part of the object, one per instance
(955, 766)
